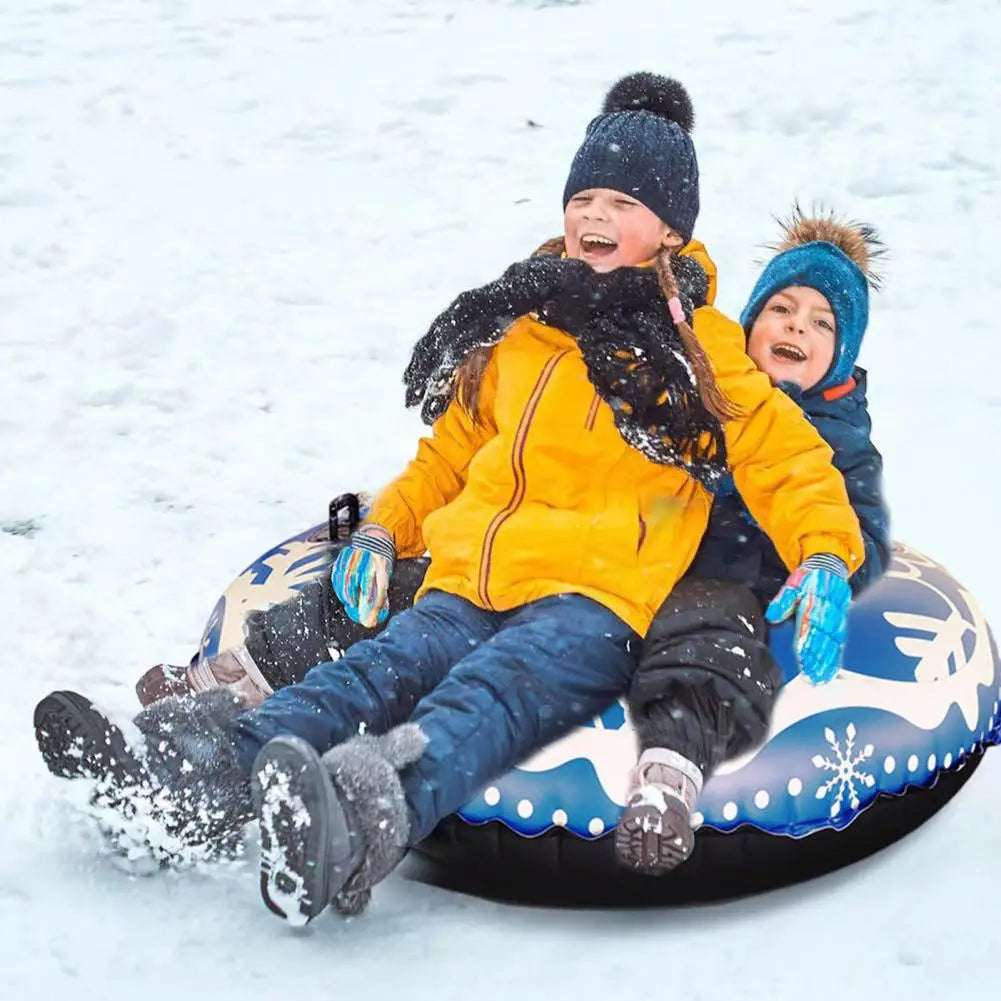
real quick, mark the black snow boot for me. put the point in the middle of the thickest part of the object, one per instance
(331, 827)
(77, 740)
(179, 797)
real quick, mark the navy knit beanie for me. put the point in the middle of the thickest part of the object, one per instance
(640, 145)
(834, 258)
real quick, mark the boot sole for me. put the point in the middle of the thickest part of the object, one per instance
(653, 842)
(304, 831)
(78, 741)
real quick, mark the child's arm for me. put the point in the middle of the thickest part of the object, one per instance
(439, 470)
(861, 465)
(781, 465)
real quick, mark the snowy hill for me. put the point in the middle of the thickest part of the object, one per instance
(223, 225)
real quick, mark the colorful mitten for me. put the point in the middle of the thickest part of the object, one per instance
(818, 590)
(361, 573)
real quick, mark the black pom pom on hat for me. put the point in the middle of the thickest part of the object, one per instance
(660, 95)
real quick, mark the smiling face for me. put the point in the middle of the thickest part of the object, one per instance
(794, 337)
(610, 230)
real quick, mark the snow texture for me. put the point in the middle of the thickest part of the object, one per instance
(223, 227)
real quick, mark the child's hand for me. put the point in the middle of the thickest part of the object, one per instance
(819, 592)
(361, 573)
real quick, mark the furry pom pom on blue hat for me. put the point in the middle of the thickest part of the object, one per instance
(641, 145)
(834, 258)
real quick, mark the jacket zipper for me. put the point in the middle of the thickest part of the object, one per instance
(518, 466)
(592, 412)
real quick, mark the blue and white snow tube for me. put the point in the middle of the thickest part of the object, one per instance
(847, 768)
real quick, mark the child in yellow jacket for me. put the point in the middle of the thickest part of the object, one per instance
(583, 407)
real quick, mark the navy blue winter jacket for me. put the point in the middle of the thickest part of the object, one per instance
(734, 548)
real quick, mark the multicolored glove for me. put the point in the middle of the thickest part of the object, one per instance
(818, 590)
(361, 573)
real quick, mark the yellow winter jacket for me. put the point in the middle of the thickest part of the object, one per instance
(543, 496)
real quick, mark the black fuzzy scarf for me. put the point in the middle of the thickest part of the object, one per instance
(621, 322)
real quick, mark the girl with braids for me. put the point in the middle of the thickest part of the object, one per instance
(583, 407)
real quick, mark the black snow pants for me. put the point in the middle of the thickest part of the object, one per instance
(706, 681)
(286, 640)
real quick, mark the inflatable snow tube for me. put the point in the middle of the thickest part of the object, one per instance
(847, 768)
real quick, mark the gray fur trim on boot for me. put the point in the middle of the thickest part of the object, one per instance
(366, 770)
(201, 796)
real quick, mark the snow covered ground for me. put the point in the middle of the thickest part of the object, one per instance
(222, 226)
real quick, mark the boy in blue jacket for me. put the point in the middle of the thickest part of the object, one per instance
(707, 682)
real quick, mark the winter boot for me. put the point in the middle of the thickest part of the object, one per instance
(179, 798)
(655, 832)
(161, 682)
(78, 741)
(334, 826)
(233, 670)
(201, 795)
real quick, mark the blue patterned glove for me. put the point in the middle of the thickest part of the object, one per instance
(361, 573)
(818, 590)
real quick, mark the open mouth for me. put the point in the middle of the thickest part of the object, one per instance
(593, 245)
(788, 352)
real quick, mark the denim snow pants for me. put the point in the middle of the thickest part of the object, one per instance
(487, 688)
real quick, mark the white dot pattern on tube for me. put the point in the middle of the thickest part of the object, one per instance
(794, 787)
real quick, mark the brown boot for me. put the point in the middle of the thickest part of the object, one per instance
(232, 669)
(161, 682)
(655, 832)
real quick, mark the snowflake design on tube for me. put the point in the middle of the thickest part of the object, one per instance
(848, 776)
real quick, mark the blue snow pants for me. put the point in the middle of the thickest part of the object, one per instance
(487, 689)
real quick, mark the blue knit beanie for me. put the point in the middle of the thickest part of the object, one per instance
(834, 259)
(640, 145)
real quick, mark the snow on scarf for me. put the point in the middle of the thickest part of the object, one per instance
(634, 354)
